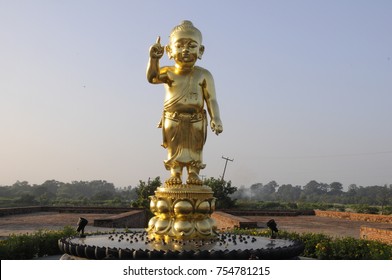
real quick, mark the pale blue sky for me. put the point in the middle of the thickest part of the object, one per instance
(304, 88)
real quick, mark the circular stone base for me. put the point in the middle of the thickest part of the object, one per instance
(137, 245)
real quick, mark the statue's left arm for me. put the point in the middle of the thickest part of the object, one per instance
(209, 94)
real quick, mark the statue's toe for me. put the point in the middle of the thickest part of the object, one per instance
(194, 180)
(174, 180)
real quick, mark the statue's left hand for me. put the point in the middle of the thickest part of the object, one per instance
(216, 126)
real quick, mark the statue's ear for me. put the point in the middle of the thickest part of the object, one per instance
(201, 51)
(168, 51)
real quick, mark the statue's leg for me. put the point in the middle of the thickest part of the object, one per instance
(193, 176)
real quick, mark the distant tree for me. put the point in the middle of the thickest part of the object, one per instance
(255, 191)
(272, 185)
(288, 193)
(222, 191)
(144, 190)
(39, 190)
(335, 188)
(128, 194)
(314, 189)
(384, 197)
(19, 188)
(52, 186)
(97, 189)
(351, 196)
(101, 186)
(26, 199)
(43, 199)
(352, 188)
(102, 195)
(242, 193)
(66, 191)
(267, 191)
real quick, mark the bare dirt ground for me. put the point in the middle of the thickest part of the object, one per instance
(330, 226)
(28, 223)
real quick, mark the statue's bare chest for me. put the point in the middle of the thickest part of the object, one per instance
(184, 93)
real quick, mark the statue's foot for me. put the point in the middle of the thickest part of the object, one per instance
(174, 180)
(193, 179)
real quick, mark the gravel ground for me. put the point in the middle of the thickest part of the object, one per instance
(27, 223)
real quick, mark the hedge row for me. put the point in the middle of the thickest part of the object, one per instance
(317, 246)
(29, 246)
(322, 246)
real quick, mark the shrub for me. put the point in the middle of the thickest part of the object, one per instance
(341, 208)
(292, 205)
(321, 246)
(28, 246)
(387, 210)
(365, 209)
(270, 205)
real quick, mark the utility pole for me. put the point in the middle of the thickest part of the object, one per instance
(224, 170)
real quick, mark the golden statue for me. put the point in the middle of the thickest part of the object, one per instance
(188, 88)
(183, 210)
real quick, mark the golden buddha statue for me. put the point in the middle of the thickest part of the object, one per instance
(183, 210)
(188, 88)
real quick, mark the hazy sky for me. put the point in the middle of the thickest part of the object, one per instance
(304, 88)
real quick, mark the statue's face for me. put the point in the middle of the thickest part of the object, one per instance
(185, 51)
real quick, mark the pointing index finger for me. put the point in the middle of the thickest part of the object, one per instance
(159, 40)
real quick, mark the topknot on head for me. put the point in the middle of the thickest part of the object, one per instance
(185, 27)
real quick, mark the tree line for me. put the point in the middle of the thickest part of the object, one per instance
(97, 192)
(53, 192)
(317, 192)
(100, 192)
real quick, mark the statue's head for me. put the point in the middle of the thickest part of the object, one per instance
(185, 29)
(185, 44)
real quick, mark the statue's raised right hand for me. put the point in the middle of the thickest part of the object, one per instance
(157, 50)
